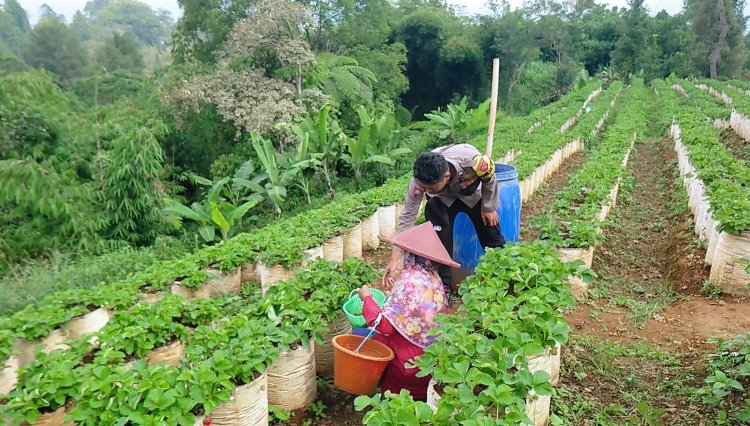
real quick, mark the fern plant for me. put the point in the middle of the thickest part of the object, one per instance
(342, 78)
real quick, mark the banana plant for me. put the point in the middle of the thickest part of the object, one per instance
(321, 138)
(223, 208)
(375, 143)
(281, 171)
(477, 119)
(451, 122)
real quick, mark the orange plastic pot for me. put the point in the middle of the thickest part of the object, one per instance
(358, 372)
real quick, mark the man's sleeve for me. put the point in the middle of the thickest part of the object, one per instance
(412, 200)
(490, 196)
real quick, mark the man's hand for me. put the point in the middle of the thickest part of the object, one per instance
(490, 218)
(364, 292)
(390, 270)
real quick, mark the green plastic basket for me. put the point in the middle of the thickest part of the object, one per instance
(353, 306)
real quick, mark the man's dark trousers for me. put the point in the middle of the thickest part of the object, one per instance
(443, 217)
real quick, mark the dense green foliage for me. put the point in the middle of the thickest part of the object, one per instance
(725, 177)
(512, 310)
(134, 110)
(229, 341)
(574, 218)
(728, 380)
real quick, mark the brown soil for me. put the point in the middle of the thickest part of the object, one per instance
(545, 195)
(684, 326)
(648, 294)
(378, 257)
(339, 408)
(734, 142)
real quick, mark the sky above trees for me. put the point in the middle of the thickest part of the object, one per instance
(69, 7)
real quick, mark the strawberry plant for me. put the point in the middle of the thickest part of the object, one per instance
(725, 177)
(47, 384)
(728, 380)
(393, 410)
(572, 219)
(512, 310)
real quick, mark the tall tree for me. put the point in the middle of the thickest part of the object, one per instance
(18, 13)
(93, 7)
(269, 42)
(389, 65)
(85, 28)
(121, 52)
(594, 30)
(512, 41)
(364, 23)
(424, 33)
(673, 41)
(722, 41)
(151, 27)
(52, 45)
(630, 48)
(13, 26)
(459, 70)
(132, 193)
(204, 27)
(705, 21)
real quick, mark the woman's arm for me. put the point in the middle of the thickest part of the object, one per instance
(370, 311)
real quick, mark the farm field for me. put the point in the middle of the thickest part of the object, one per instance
(177, 342)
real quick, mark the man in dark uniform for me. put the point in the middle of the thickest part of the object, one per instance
(456, 178)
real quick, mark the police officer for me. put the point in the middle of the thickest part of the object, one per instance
(455, 178)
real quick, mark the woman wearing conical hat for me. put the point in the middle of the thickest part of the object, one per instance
(408, 315)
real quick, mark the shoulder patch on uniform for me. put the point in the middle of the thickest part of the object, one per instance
(483, 166)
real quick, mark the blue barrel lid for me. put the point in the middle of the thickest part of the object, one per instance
(505, 172)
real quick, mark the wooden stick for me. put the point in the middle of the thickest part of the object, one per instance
(493, 105)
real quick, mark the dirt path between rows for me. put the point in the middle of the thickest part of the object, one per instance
(734, 143)
(638, 345)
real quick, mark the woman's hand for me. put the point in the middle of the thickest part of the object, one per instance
(390, 270)
(364, 292)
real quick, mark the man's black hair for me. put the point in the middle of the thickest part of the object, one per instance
(430, 167)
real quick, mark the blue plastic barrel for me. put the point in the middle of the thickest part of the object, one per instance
(466, 247)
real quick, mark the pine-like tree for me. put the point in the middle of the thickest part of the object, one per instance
(132, 190)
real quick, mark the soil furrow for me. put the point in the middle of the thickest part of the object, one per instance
(638, 345)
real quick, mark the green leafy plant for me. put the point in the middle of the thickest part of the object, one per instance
(323, 140)
(224, 207)
(375, 142)
(318, 409)
(280, 171)
(725, 177)
(711, 290)
(278, 415)
(728, 380)
(512, 310)
(451, 122)
(393, 410)
(573, 220)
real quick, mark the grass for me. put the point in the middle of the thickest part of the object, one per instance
(31, 283)
(639, 311)
(608, 383)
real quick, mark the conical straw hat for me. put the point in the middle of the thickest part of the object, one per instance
(422, 240)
